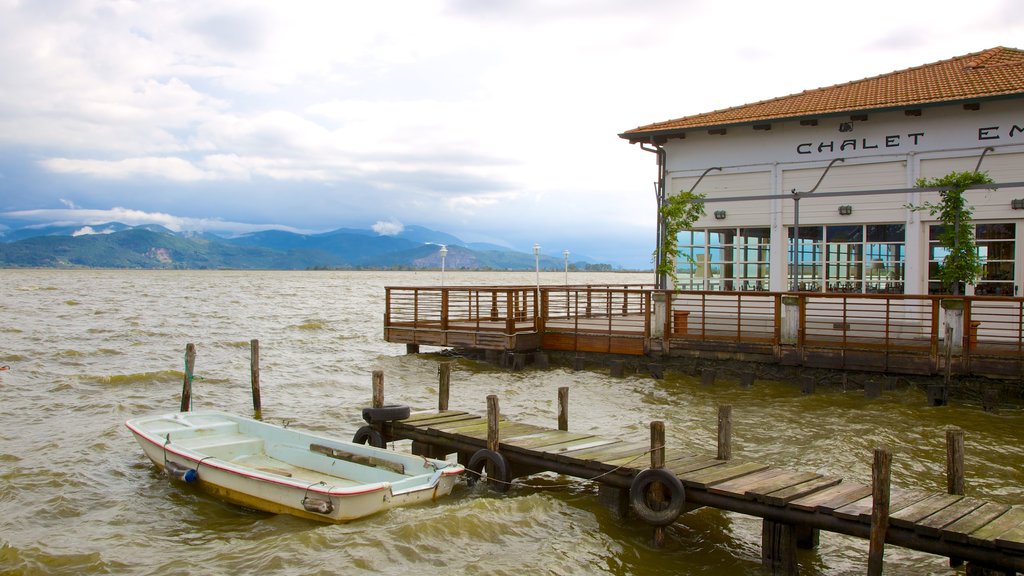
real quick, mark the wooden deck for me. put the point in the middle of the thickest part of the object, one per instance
(982, 533)
(892, 333)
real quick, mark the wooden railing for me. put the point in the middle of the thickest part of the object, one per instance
(637, 319)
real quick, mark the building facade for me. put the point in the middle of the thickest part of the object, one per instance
(815, 191)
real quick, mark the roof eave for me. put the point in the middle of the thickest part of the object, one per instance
(660, 136)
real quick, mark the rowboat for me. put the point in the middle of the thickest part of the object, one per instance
(286, 471)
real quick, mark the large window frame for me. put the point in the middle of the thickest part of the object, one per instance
(995, 243)
(849, 259)
(724, 259)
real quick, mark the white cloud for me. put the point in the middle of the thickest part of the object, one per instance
(90, 218)
(388, 228)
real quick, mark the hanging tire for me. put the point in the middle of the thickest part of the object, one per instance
(386, 413)
(499, 477)
(667, 511)
(369, 435)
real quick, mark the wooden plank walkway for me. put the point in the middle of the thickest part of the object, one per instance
(985, 533)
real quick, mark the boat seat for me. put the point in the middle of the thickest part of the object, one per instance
(223, 446)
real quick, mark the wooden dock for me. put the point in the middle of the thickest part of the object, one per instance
(794, 505)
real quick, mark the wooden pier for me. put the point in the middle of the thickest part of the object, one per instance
(892, 333)
(794, 505)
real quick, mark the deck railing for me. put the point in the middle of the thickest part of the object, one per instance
(643, 319)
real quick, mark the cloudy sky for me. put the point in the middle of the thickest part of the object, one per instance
(491, 120)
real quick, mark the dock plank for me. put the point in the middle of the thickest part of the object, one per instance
(783, 496)
(898, 499)
(738, 487)
(988, 534)
(692, 465)
(599, 453)
(430, 416)
(582, 444)
(547, 438)
(831, 498)
(911, 515)
(505, 430)
(786, 479)
(1012, 539)
(716, 474)
(932, 525)
(958, 531)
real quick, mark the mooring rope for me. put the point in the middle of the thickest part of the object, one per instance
(569, 485)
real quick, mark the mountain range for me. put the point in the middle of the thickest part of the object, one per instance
(116, 245)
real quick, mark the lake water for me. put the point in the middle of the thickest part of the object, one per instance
(89, 349)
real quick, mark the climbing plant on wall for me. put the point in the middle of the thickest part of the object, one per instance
(679, 214)
(961, 265)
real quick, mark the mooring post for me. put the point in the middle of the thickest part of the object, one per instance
(254, 370)
(378, 389)
(955, 469)
(186, 387)
(881, 470)
(955, 460)
(563, 408)
(444, 381)
(724, 432)
(493, 415)
(658, 461)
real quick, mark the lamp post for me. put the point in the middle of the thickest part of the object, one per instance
(565, 253)
(536, 259)
(444, 252)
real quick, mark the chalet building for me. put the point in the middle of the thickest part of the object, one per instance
(822, 180)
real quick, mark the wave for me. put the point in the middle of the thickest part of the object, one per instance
(137, 378)
(310, 325)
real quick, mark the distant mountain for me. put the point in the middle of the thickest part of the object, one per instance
(116, 245)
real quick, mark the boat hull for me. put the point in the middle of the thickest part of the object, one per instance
(285, 471)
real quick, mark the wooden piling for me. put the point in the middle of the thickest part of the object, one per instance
(254, 371)
(881, 471)
(378, 389)
(724, 432)
(444, 381)
(563, 408)
(186, 387)
(658, 461)
(955, 460)
(955, 469)
(707, 377)
(493, 415)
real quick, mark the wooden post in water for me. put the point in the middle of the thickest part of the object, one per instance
(254, 370)
(493, 415)
(563, 408)
(881, 471)
(955, 469)
(378, 389)
(724, 432)
(955, 460)
(186, 387)
(444, 382)
(658, 461)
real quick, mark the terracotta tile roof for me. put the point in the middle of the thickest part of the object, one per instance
(992, 73)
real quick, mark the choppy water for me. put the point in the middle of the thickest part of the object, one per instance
(90, 349)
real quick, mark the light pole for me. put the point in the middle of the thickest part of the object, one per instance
(536, 259)
(566, 254)
(444, 252)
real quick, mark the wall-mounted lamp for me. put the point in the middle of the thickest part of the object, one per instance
(1017, 203)
(719, 214)
(846, 127)
(845, 210)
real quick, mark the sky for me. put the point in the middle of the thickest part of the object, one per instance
(495, 121)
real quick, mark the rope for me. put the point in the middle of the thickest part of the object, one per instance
(560, 486)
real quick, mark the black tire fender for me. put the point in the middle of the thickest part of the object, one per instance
(675, 496)
(386, 413)
(369, 435)
(499, 469)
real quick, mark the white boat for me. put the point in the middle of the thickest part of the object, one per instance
(286, 471)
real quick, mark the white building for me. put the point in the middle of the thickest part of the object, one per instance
(880, 135)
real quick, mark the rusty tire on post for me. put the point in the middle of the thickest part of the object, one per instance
(500, 476)
(675, 496)
(369, 435)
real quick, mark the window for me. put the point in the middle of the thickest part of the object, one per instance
(995, 244)
(723, 259)
(857, 259)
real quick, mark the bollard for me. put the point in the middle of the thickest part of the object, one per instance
(254, 370)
